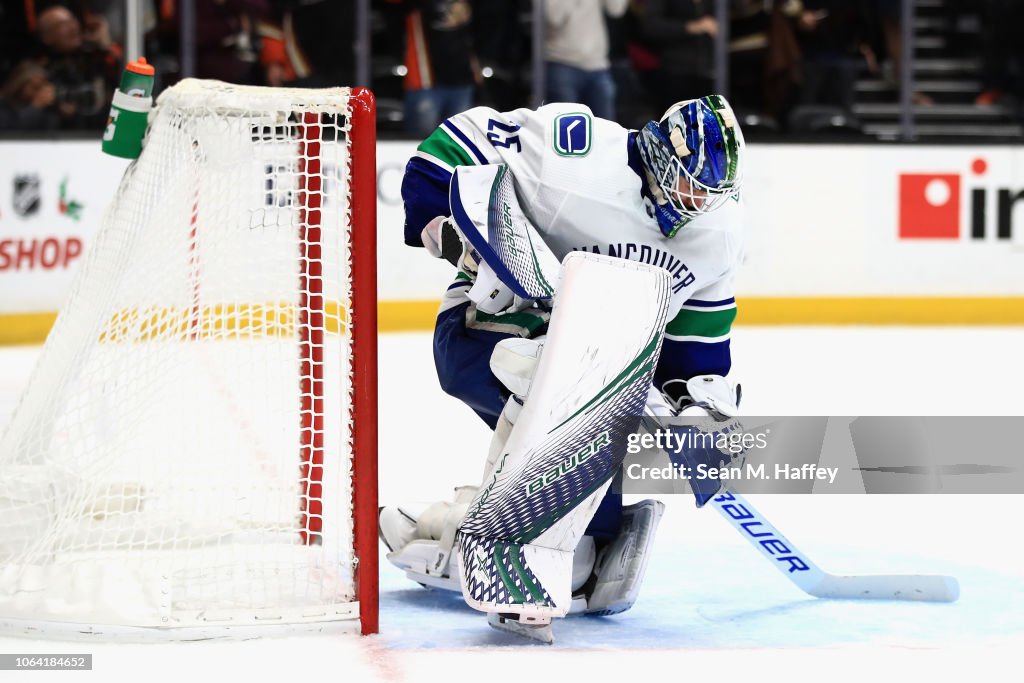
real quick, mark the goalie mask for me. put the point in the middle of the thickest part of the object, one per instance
(692, 160)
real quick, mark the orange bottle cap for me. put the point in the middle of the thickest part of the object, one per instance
(141, 66)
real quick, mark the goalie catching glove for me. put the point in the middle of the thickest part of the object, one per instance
(441, 239)
(489, 294)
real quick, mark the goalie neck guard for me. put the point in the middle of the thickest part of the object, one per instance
(692, 158)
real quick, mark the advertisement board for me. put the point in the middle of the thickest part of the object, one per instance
(851, 233)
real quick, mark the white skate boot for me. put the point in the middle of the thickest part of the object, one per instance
(420, 538)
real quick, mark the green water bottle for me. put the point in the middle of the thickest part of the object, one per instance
(129, 110)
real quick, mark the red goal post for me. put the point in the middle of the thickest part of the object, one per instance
(364, 359)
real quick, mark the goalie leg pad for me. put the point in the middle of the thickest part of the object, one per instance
(621, 565)
(516, 543)
(499, 573)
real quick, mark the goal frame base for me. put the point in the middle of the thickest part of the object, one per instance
(340, 621)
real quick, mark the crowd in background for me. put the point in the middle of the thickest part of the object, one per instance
(790, 61)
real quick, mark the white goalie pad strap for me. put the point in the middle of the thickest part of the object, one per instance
(657, 406)
(445, 544)
(436, 518)
(514, 362)
(489, 293)
(488, 215)
(449, 524)
(516, 543)
(502, 430)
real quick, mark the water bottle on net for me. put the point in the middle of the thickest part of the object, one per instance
(129, 111)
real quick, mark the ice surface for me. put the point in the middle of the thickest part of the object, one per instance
(710, 608)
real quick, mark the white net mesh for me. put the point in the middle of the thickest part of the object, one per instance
(181, 456)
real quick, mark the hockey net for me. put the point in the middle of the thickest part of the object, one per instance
(195, 451)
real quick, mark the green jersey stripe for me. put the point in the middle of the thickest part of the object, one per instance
(691, 323)
(441, 146)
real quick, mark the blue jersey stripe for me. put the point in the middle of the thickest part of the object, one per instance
(633, 158)
(437, 174)
(447, 123)
(710, 304)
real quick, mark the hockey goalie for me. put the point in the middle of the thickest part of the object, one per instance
(594, 284)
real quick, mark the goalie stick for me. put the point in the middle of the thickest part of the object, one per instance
(813, 580)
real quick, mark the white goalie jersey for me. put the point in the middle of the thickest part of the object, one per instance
(578, 179)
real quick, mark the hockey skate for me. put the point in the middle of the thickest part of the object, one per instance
(529, 627)
(606, 581)
(420, 537)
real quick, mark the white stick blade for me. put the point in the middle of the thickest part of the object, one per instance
(911, 587)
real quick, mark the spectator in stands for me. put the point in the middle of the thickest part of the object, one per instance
(113, 15)
(28, 100)
(680, 35)
(15, 35)
(502, 43)
(441, 67)
(1002, 51)
(309, 44)
(884, 19)
(832, 37)
(83, 66)
(783, 62)
(226, 40)
(576, 53)
(632, 109)
(748, 43)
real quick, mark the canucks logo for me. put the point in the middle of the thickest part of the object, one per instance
(572, 134)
